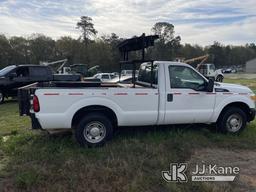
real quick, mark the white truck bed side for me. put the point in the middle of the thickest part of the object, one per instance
(132, 106)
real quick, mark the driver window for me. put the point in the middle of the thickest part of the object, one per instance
(182, 77)
(22, 72)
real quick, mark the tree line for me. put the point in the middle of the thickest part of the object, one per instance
(93, 50)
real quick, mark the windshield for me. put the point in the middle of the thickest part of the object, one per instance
(6, 70)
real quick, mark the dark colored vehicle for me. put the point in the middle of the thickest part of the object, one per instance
(13, 77)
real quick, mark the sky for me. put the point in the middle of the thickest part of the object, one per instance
(196, 21)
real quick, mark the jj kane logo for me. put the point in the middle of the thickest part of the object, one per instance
(200, 173)
(176, 173)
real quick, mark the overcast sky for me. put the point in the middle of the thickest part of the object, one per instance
(196, 21)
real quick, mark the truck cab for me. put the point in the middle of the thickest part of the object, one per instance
(13, 77)
(16, 76)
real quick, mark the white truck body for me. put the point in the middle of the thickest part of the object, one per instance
(142, 106)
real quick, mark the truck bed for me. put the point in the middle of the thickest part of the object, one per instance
(25, 94)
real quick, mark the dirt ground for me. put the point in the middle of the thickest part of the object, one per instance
(244, 159)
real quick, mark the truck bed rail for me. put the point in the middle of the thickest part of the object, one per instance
(25, 94)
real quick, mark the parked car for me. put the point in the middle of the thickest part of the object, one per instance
(128, 72)
(234, 70)
(230, 70)
(104, 76)
(15, 76)
(170, 93)
(122, 80)
(115, 73)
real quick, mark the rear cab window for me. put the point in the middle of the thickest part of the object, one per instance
(145, 77)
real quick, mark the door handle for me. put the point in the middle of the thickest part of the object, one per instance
(169, 97)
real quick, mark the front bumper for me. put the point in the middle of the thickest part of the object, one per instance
(252, 114)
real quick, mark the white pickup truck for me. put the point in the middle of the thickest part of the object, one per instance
(177, 94)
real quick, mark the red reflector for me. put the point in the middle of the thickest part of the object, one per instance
(36, 105)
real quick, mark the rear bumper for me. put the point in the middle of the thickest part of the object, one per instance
(34, 122)
(252, 114)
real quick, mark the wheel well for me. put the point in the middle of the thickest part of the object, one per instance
(94, 108)
(244, 107)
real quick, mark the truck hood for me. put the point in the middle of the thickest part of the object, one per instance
(234, 88)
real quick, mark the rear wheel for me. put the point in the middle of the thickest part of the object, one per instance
(219, 78)
(233, 120)
(94, 130)
(1, 97)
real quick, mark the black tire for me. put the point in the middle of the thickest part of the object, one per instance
(219, 78)
(232, 120)
(94, 130)
(1, 97)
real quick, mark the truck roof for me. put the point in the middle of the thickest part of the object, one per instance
(30, 65)
(171, 63)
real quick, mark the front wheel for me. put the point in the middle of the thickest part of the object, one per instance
(233, 120)
(219, 78)
(94, 130)
(1, 97)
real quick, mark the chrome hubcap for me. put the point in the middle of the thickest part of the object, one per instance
(94, 132)
(234, 123)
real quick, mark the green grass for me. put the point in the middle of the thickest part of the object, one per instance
(10, 121)
(132, 161)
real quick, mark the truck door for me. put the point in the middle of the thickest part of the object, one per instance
(22, 77)
(18, 77)
(187, 100)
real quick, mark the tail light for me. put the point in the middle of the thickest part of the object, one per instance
(36, 105)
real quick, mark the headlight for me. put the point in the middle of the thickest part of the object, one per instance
(253, 97)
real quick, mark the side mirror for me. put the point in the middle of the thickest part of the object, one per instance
(210, 85)
(12, 75)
